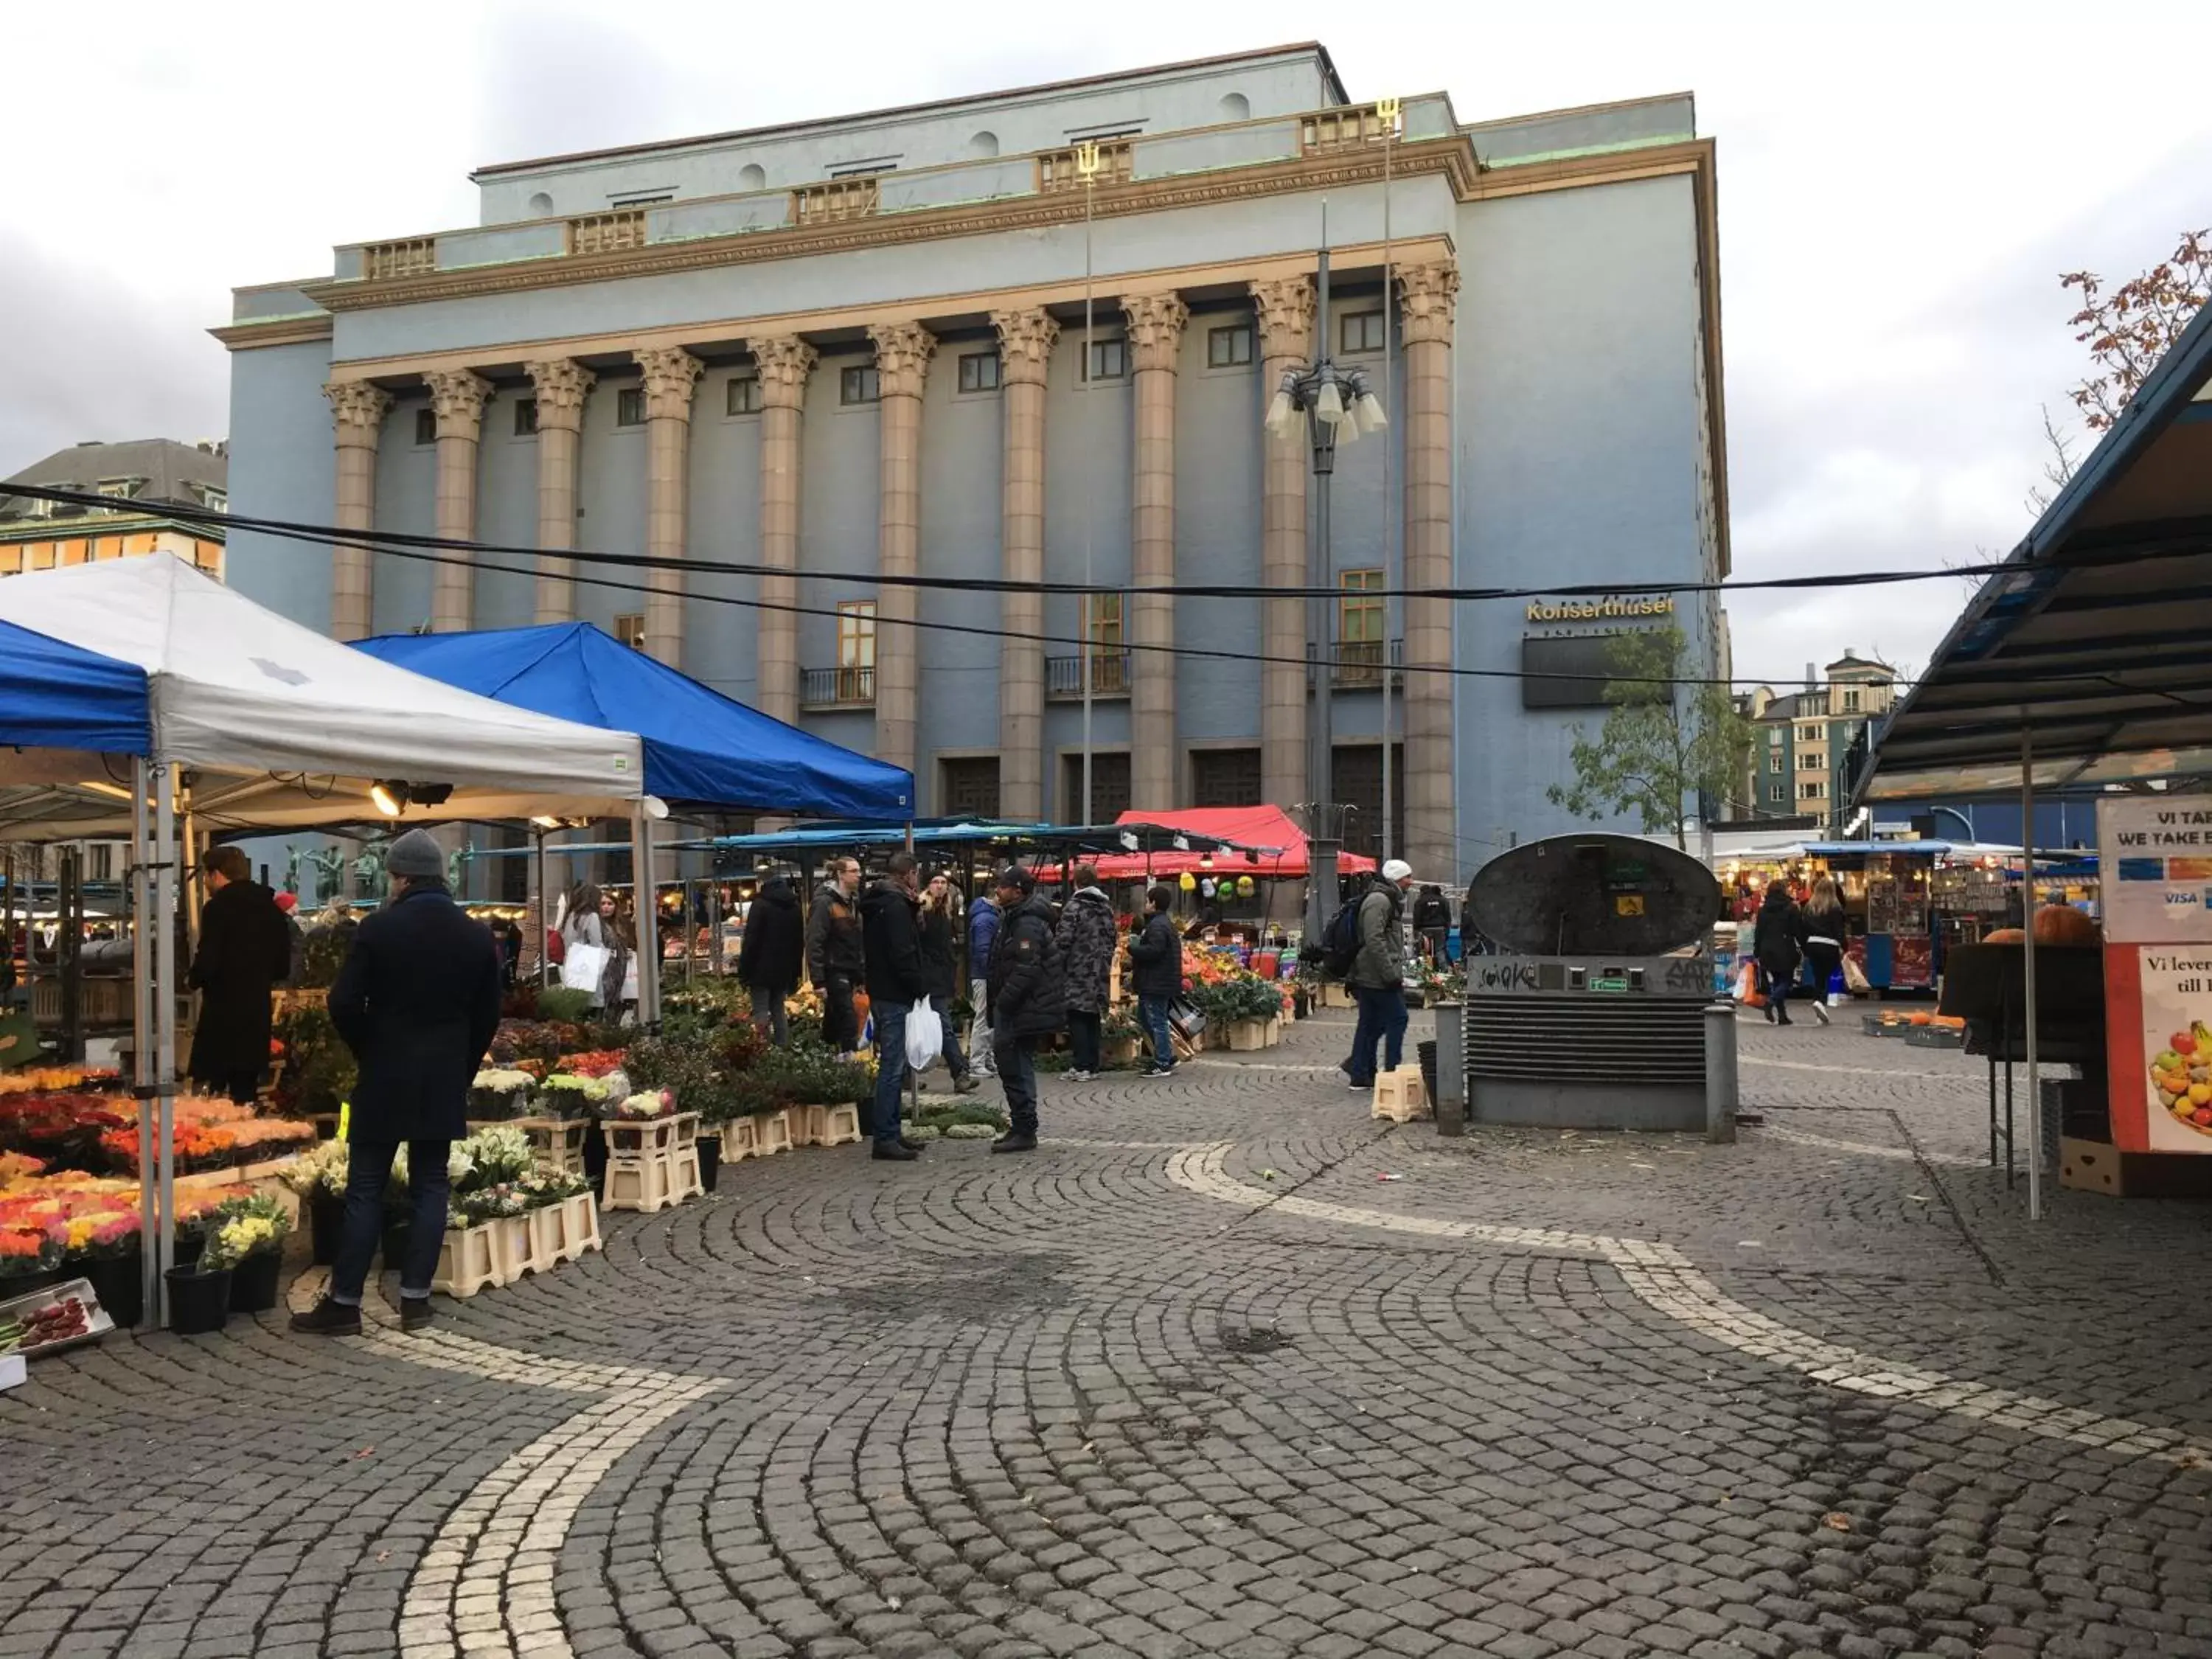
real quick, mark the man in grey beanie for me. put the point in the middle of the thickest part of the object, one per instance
(417, 1002)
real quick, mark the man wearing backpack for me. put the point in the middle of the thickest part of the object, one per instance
(1028, 990)
(1374, 977)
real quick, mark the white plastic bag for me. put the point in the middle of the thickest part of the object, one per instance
(582, 966)
(629, 979)
(925, 1037)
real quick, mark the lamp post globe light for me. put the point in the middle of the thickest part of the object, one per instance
(1332, 406)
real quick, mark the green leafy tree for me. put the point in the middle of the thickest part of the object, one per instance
(1662, 743)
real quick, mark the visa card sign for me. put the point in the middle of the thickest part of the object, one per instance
(2156, 859)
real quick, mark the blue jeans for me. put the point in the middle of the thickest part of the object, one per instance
(1153, 1012)
(1382, 1018)
(891, 1067)
(368, 1169)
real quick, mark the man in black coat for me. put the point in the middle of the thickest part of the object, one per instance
(890, 938)
(772, 954)
(1029, 999)
(417, 1002)
(245, 949)
(1155, 954)
(835, 957)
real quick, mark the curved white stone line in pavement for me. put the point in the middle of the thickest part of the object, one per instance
(1845, 1071)
(1864, 1149)
(1665, 1279)
(485, 1584)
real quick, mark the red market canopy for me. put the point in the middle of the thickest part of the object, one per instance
(1282, 844)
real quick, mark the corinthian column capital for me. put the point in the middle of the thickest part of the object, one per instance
(1156, 323)
(902, 353)
(1285, 307)
(785, 362)
(359, 408)
(1426, 297)
(1025, 340)
(560, 385)
(459, 399)
(671, 374)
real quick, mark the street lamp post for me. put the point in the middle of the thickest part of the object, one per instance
(1334, 407)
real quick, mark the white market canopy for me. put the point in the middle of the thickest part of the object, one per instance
(281, 726)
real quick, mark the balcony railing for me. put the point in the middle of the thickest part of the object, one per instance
(1357, 665)
(1058, 169)
(1109, 676)
(402, 258)
(837, 688)
(604, 233)
(1339, 129)
(839, 198)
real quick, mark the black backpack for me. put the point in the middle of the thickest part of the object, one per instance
(1340, 940)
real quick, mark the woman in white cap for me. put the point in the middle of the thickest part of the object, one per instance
(1374, 976)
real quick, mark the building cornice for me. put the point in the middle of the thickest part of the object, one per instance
(275, 331)
(1452, 158)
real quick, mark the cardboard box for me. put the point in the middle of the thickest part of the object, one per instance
(2095, 1166)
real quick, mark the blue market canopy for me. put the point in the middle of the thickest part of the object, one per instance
(2095, 644)
(57, 696)
(702, 748)
(928, 832)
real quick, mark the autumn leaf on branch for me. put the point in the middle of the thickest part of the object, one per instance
(2129, 328)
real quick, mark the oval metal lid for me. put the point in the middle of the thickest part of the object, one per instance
(1594, 895)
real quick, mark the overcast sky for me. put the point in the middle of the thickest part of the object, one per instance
(1899, 185)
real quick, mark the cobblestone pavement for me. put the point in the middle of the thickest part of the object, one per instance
(1196, 1378)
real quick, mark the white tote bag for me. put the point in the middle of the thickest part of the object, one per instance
(925, 1037)
(582, 968)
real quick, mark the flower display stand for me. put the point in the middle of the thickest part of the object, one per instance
(1246, 1036)
(1122, 1050)
(691, 1178)
(771, 1133)
(1400, 1095)
(465, 1261)
(807, 1123)
(738, 1140)
(642, 1162)
(1330, 994)
(558, 1141)
(510, 1247)
(544, 1227)
(580, 1225)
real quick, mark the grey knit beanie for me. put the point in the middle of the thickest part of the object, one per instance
(415, 854)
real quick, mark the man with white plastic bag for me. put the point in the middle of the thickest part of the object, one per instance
(898, 992)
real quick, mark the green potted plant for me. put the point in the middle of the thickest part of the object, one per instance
(249, 1234)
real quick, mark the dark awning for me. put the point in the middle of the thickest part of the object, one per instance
(2098, 644)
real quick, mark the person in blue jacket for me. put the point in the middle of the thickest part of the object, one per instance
(982, 934)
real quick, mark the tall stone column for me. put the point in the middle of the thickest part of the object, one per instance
(1025, 340)
(785, 364)
(1427, 299)
(358, 409)
(902, 352)
(670, 375)
(560, 385)
(1286, 311)
(1156, 324)
(457, 397)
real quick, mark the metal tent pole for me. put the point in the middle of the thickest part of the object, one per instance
(143, 923)
(544, 911)
(2028, 972)
(165, 1012)
(646, 906)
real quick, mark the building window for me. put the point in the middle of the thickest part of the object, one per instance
(979, 371)
(1851, 700)
(213, 500)
(630, 629)
(1110, 786)
(629, 406)
(1812, 760)
(1774, 763)
(1362, 330)
(1774, 793)
(653, 200)
(971, 787)
(1813, 789)
(1225, 777)
(1228, 348)
(856, 649)
(120, 490)
(860, 384)
(1359, 609)
(526, 417)
(1108, 359)
(1774, 737)
(744, 396)
(426, 426)
(1809, 734)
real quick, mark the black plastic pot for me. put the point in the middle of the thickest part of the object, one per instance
(118, 1281)
(253, 1282)
(710, 1160)
(1428, 1055)
(325, 1226)
(595, 1156)
(198, 1303)
(16, 1285)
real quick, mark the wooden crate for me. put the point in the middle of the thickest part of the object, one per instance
(2095, 1166)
